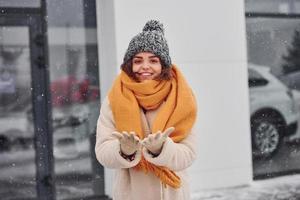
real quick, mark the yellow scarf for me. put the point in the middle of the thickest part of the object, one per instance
(127, 96)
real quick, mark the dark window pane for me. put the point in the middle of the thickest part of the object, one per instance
(273, 41)
(17, 152)
(20, 3)
(74, 86)
(273, 6)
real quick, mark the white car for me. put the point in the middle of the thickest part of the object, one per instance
(274, 111)
(13, 130)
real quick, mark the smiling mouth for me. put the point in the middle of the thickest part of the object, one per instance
(144, 74)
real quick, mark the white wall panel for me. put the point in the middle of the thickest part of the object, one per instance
(196, 30)
(207, 41)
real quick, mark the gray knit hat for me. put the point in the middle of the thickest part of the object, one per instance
(150, 40)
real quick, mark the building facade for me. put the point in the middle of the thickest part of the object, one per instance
(60, 57)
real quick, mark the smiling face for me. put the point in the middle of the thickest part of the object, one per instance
(146, 66)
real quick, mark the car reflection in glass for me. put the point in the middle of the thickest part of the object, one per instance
(274, 111)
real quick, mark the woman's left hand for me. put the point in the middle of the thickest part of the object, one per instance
(154, 142)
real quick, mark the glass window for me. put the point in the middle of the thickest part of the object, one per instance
(74, 86)
(269, 41)
(274, 42)
(17, 152)
(20, 3)
(273, 6)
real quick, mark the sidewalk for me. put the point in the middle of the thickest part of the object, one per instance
(280, 188)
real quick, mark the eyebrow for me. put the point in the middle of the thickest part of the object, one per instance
(142, 57)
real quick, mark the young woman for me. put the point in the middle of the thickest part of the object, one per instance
(144, 130)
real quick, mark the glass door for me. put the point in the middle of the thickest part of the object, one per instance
(17, 153)
(25, 156)
(49, 102)
(75, 97)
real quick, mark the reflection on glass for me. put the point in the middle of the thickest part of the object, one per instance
(291, 61)
(268, 41)
(20, 4)
(17, 154)
(75, 102)
(271, 6)
(75, 95)
(273, 51)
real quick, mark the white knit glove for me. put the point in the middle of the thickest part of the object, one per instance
(129, 142)
(154, 142)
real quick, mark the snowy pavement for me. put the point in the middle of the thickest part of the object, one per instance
(280, 188)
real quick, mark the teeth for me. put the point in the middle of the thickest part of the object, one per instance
(146, 74)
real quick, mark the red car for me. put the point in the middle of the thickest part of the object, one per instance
(68, 90)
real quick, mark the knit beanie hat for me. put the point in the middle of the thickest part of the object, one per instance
(151, 40)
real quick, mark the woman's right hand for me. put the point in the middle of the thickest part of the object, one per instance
(129, 142)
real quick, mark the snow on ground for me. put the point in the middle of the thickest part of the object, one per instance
(280, 188)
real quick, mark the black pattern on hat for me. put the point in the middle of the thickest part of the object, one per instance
(150, 40)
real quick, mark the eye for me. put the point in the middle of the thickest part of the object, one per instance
(137, 61)
(154, 60)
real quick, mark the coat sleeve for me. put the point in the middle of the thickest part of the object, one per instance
(175, 156)
(107, 146)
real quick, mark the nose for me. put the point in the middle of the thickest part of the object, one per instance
(145, 65)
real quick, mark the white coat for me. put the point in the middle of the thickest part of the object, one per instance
(130, 184)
